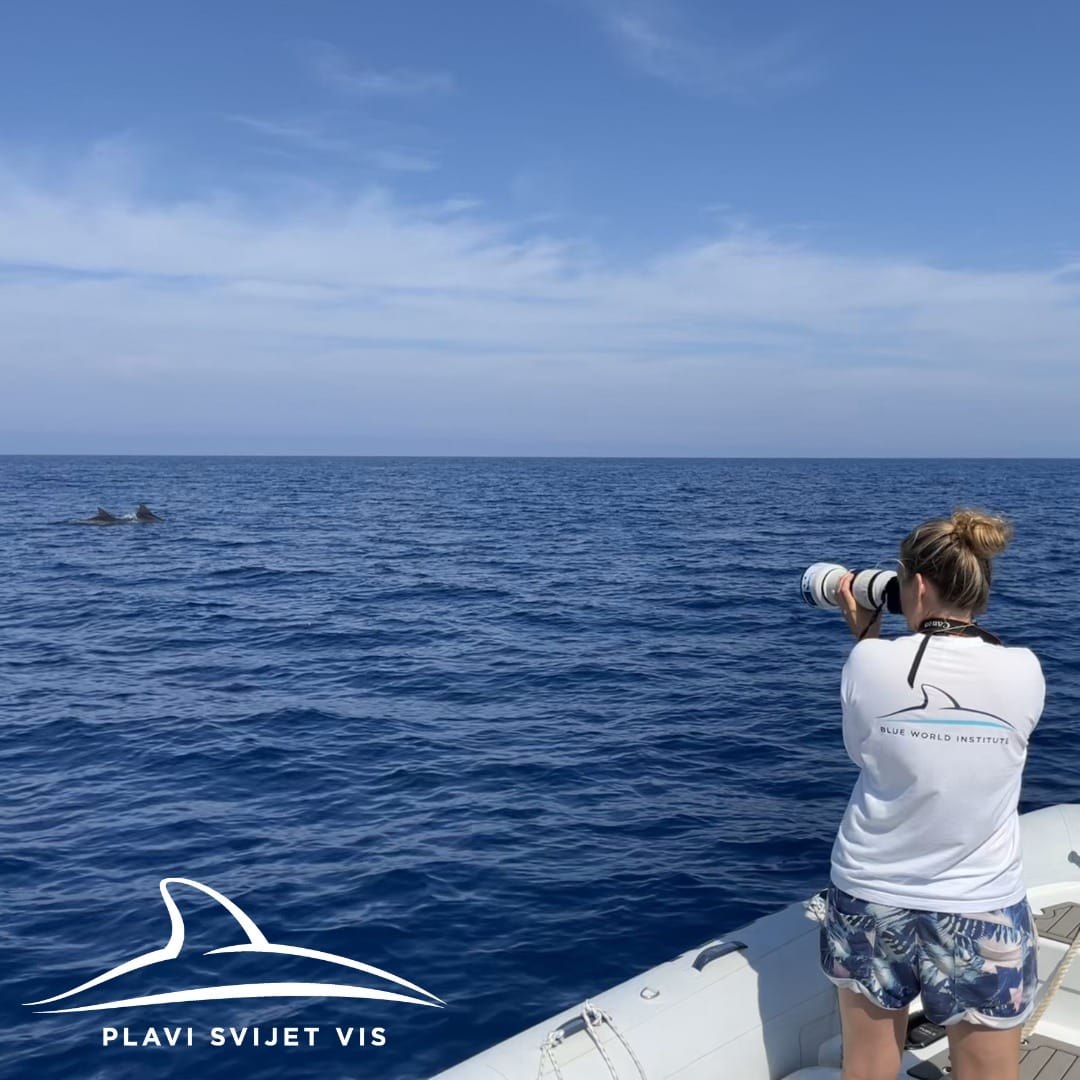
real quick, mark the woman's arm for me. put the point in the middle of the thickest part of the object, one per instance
(861, 623)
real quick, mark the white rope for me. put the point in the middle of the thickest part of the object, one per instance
(594, 1017)
(546, 1048)
(1052, 986)
(590, 1011)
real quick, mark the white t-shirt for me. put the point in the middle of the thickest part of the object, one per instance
(932, 823)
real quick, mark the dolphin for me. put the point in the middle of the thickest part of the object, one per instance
(143, 516)
(102, 517)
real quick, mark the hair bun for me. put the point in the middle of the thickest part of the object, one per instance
(983, 534)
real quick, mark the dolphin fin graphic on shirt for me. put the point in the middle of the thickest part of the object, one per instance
(940, 703)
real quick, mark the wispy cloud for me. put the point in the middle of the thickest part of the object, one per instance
(374, 244)
(374, 302)
(332, 68)
(402, 161)
(658, 42)
(460, 205)
(301, 134)
(309, 136)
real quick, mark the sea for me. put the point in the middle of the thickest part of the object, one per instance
(497, 733)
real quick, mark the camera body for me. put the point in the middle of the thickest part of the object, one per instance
(872, 589)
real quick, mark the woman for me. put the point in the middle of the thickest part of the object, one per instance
(927, 893)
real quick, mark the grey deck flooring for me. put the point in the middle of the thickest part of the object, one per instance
(1040, 1059)
(1059, 923)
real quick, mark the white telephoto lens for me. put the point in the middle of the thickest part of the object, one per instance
(820, 584)
(869, 588)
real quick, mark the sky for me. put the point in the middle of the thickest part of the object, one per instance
(565, 227)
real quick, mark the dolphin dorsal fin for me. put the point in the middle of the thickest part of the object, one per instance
(936, 698)
(102, 512)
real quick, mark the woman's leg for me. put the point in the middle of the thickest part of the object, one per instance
(873, 1038)
(983, 1053)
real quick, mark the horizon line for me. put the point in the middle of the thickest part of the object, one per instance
(550, 457)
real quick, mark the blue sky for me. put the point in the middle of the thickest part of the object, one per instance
(547, 226)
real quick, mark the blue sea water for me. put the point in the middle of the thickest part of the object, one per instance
(513, 730)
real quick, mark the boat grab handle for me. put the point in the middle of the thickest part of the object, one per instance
(715, 951)
(571, 1027)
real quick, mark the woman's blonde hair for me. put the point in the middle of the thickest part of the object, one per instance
(954, 553)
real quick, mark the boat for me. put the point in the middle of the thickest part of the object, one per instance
(754, 1005)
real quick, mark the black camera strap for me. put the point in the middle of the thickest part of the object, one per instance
(932, 627)
(877, 615)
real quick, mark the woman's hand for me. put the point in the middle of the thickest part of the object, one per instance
(862, 623)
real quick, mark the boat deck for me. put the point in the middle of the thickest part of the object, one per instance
(1059, 922)
(1040, 1059)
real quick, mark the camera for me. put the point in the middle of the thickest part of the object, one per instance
(872, 589)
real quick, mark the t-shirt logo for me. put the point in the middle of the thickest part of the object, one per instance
(941, 708)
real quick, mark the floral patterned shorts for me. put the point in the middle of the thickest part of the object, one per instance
(980, 968)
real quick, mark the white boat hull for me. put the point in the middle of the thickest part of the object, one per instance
(762, 1012)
